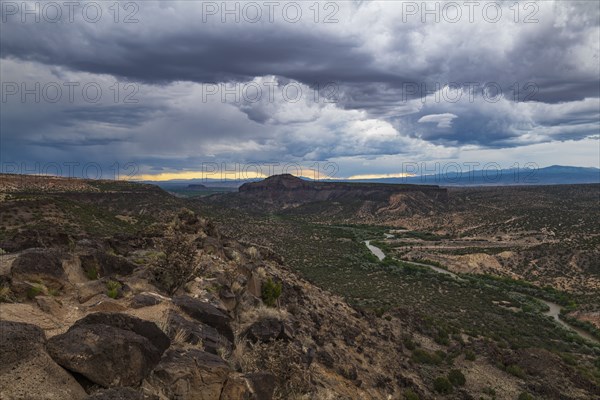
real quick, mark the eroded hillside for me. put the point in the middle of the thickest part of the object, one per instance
(113, 284)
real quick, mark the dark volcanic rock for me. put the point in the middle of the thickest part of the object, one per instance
(33, 238)
(106, 264)
(39, 265)
(144, 300)
(206, 313)
(262, 384)
(196, 332)
(110, 349)
(105, 355)
(87, 290)
(269, 329)
(236, 388)
(27, 371)
(141, 327)
(19, 341)
(190, 375)
(123, 393)
(117, 394)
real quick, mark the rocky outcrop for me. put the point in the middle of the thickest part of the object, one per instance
(110, 349)
(289, 187)
(207, 314)
(88, 290)
(268, 329)
(262, 385)
(195, 332)
(120, 394)
(190, 374)
(142, 300)
(39, 266)
(147, 329)
(104, 264)
(27, 371)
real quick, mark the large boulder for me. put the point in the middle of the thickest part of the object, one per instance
(189, 374)
(122, 393)
(262, 385)
(104, 264)
(212, 245)
(88, 290)
(197, 332)
(268, 329)
(27, 371)
(236, 388)
(141, 327)
(142, 300)
(207, 314)
(39, 265)
(110, 349)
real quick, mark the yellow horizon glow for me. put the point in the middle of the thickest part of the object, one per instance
(380, 176)
(167, 176)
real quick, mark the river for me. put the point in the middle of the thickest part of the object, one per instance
(553, 308)
(375, 250)
(554, 312)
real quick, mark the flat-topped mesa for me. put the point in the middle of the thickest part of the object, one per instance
(288, 185)
(277, 182)
(22, 183)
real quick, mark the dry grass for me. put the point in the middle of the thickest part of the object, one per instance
(249, 316)
(285, 361)
(6, 295)
(253, 253)
(181, 336)
(164, 323)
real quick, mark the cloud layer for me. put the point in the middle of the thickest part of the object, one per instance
(180, 87)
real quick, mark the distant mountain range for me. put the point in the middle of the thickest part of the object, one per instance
(553, 175)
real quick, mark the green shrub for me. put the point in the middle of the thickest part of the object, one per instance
(379, 311)
(6, 295)
(178, 262)
(271, 292)
(525, 396)
(515, 370)
(442, 338)
(409, 343)
(91, 273)
(421, 356)
(457, 378)
(470, 355)
(568, 358)
(113, 289)
(33, 291)
(409, 394)
(442, 385)
(489, 391)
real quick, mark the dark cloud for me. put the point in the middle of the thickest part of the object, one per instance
(385, 73)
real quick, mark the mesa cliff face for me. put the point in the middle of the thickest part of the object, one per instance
(284, 191)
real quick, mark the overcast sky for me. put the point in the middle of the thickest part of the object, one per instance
(176, 86)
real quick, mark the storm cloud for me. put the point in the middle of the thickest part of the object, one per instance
(172, 84)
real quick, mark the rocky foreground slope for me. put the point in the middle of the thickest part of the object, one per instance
(93, 322)
(174, 310)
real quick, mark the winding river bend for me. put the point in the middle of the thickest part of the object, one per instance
(553, 308)
(377, 252)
